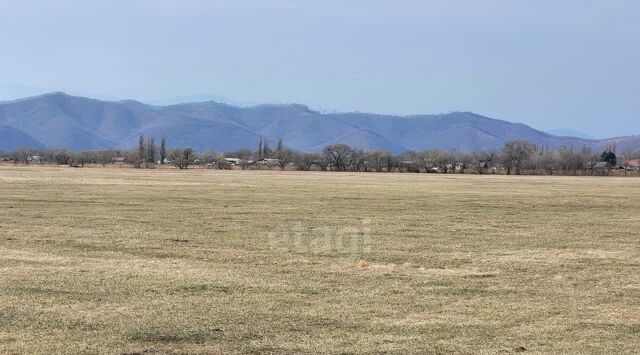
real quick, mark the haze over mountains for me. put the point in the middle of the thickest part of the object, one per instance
(58, 120)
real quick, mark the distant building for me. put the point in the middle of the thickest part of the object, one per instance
(118, 160)
(233, 161)
(266, 161)
(34, 158)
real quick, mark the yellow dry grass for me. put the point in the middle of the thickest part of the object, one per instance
(135, 261)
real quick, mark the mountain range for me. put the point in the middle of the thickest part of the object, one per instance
(58, 120)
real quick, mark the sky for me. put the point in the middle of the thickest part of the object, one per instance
(551, 64)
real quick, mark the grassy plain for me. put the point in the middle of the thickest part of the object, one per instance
(141, 261)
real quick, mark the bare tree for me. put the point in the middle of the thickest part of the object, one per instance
(48, 156)
(627, 156)
(223, 164)
(104, 157)
(548, 163)
(425, 160)
(21, 155)
(210, 158)
(359, 161)
(285, 157)
(82, 158)
(338, 156)
(63, 157)
(454, 158)
(483, 161)
(464, 160)
(410, 162)
(378, 159)
(515, 154)
(307, 161)
(441, 160)
(183, 157)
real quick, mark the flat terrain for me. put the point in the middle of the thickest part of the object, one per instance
(141, 261)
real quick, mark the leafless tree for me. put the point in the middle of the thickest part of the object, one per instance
(483, 161)
(309, 161)
(285, 157)
(223, 164)
(410, 162)
(105, 157)
(338, 156)
(547, 163)
(627, 156)
(63, 157)
(21, 155)
(441, 160)
(569, 161)
(210, 158)
(454, 158)
(425, 160)
(515, 154)
(358, 161)
(183, 157)
(464, 160)
(82, 158)
(378, 159)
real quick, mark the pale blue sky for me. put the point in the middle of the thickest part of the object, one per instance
(550, 64)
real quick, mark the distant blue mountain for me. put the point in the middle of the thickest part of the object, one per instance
(58, 120)
(12, 138)
(567, 132)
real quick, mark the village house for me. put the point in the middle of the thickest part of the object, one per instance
(633, 164)
(267, 161)
(34, 158)
(233, 161)
(118, 160)
(601, 167)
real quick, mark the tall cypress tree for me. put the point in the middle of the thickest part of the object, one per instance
(151, 151)
(141, 151)
(266, 151)
(163, 150)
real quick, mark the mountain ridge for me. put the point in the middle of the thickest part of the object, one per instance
(58, 120)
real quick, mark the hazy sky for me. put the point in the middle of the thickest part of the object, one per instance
(550, 64)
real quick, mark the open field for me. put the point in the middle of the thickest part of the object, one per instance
(134, 261)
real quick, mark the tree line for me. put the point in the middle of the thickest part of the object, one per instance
(515, 158)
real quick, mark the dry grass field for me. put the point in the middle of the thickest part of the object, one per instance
(166, 261)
